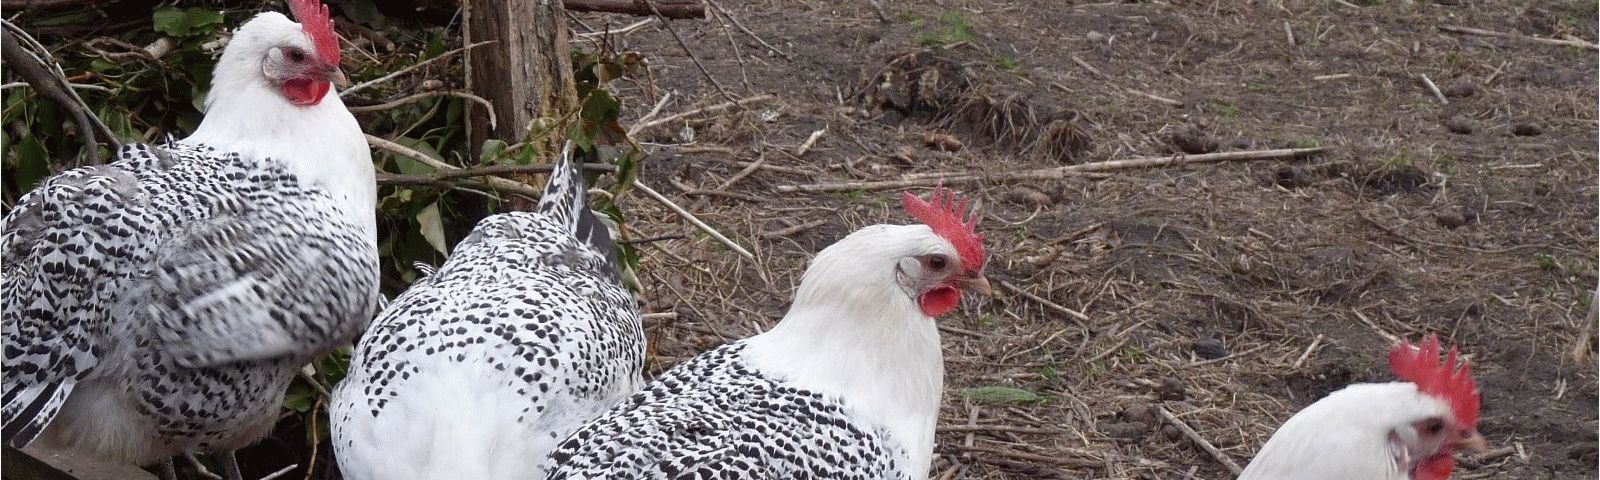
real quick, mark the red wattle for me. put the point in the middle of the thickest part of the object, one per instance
(305, 91)
(939, 301)
(1437, 467)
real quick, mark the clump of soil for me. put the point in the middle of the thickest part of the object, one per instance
(923, 85)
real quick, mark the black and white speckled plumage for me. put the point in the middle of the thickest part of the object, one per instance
(845, 386)
(160, 304)
(479, 368)
(715, 417)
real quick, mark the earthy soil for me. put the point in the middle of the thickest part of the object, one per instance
(1230, 294)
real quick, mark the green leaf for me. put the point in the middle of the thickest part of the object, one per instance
(300, 397)
(999, 394)
(490, 153)
(186, 22)
(409, 166)
(600, 106)
(33, 163)
(432, 227)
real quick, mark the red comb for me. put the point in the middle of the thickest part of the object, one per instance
(946, 215)
(1441, 380)
(314, 19)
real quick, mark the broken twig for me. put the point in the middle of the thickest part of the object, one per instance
(693, 220)
(363, 85)
(1200, 441)
(1090, 170)
(710, 109)
(1548, 41)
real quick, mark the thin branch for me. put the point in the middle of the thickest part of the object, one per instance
(408, 152)
(658, 238)
(1083, 319)
(711, 109)
(644, 121)
(1032, 457)
(692, 56)
(281, 472)
(49, 80)
(1200, 441)
(426, 95)
(77, 86)
(1225, 358)
(1091, 170)
(668, 9)
(24, 4)
(1434, 89)
(785, 232)
(1107, 78)
(1548, 41)
(693, 220)
(450, 177)
(363, 85)
(747, 31)
(620, 31)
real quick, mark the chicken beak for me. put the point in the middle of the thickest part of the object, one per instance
(977, 283)
(1475, 442)
(336, 76)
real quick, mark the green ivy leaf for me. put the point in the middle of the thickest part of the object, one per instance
(600, 106)
(432, 227)
(999, 394)
(300, 397)
(186, 22)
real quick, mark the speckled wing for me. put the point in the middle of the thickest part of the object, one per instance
(715, 417)
(480, 368)
(259, 285)
(182, 245)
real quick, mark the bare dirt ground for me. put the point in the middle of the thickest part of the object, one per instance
(1229, 294)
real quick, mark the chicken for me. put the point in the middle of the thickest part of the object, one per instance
(1407, 430)
(846, 386)
(480, 368)
(159, 305)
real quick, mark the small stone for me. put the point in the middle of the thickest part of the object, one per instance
(1172, 433)
(948, 143)
(1449, 218)
(1290, 176)
(1194, 141)
(1029, 196)
(1458, 124)
(1125, 431)
(906, 155)
(1210, 348)
(1460, 89)
(1172, 389)
(1138, 412)
(1526, 130)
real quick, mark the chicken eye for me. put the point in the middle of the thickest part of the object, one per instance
(1433, 426)
(937, 262)
(295, 55)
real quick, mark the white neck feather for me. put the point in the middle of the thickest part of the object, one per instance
(321, 144)
(854, 334)
(1344, 435)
